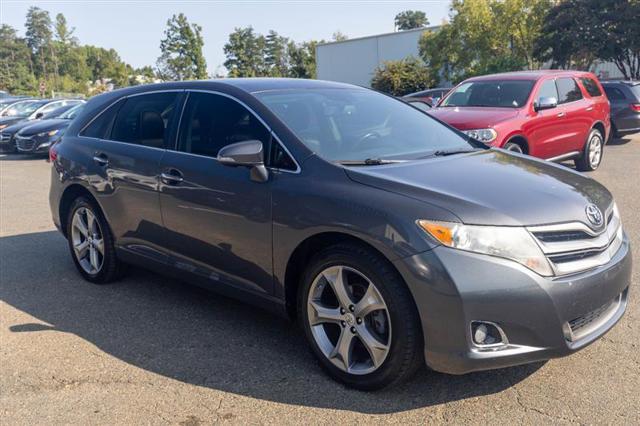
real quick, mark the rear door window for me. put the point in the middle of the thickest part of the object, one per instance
(568, 90)
(145, 119)
(591, 86)
(100, 127)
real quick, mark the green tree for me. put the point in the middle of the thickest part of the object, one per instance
(410, 19)
(245, 53)
(181, 48)
(38, 36)
(339, 36)
(15, 57)
(399, 78)
(485, 36)
(276, 60)
(64, 34)
(302, 59)
(609, 30)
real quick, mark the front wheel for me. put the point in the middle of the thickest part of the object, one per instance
(513, 147)
(591, 156)
(359, 318)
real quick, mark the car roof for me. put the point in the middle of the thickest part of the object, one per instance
(623, 82)
(249, 85)
(531, 75)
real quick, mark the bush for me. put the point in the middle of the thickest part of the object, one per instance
(399, 78)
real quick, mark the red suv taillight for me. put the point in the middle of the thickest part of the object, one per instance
(635, 107)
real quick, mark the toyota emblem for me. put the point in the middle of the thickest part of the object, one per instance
(594, 215)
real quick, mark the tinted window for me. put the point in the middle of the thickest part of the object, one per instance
(614, 94)
(279, 158)
(101, 126)
(494, 93)
(548, 90)
(591, 86)
(359, 124)
(568, 90)
(143, 119)
(51, 107)
(211, 122)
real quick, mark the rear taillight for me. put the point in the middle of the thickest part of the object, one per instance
(635, 107)
(53, 153)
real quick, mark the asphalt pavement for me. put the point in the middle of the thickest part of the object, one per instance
(152, 350)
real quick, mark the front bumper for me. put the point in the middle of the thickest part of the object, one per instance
(32, 145)
(452, 288)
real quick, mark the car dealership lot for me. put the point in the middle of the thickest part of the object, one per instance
(153, 350)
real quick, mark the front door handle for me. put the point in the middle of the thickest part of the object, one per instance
(171, 177)
(101, 159)
(561, 114)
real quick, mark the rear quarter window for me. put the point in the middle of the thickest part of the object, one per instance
(614, 94)
(100, 126)
(591, 86)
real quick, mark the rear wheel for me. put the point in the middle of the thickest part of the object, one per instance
(359, 318)
(592, 153)
(91, 243)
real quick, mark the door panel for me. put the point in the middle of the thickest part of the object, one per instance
(217, 220)
(546, 129)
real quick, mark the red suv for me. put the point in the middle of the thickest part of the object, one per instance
(551, 114)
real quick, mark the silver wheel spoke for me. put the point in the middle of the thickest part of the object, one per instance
(335, 277)
(81, 249)
(377, 350)
(319, 314)
(79, 224)
(343, 348)
(99, 245)
(91, 220)
(371, 301)
(93, 258)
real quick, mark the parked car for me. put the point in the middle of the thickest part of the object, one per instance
(393, 238)
(32, 110)
(6, 103)
(419, 103)
(7, 140)
(430, 96)
(554, 115)
(36, 138)
(624, 97)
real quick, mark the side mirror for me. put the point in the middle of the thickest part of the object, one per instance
(39, 115)
(545, 103)
(247, 154)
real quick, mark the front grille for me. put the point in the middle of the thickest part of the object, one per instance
(5, 137)
(25, 144)
(574, 247)
(591, 321)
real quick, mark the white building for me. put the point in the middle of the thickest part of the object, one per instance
(355, 60)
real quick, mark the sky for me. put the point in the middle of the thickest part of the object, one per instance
(134, 28)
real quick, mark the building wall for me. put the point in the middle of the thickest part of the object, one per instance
(354, 61)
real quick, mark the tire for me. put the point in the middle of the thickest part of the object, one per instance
(513, 147)
(396, 327)
(592, 152)
(109, 268)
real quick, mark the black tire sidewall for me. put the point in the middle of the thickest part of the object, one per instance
(510, 144)
(405, 329)
(583, 164)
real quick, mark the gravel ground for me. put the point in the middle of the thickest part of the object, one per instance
(152, 350)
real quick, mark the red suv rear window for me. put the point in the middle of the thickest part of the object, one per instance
(591, 86)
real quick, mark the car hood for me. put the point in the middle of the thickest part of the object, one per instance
(472, 117)
(11, 120)
(14, 128)
(45, 126)
(492, 187)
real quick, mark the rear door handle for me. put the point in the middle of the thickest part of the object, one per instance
(171, 177)
(101, 159)
(590, 108)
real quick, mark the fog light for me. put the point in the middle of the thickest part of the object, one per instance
(487, 334)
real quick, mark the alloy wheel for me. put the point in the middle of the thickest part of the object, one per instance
(349, 320)
(595, 151)
(88, 241)
(515, 148)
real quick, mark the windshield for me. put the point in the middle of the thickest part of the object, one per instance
(71, 114)
(357, 125)
(24, 109)
(493, 93)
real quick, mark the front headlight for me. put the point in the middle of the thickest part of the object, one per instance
(2, 126)
(512, 243)
(482, 135)
(50, 133)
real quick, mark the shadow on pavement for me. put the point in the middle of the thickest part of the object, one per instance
(185, 333)
(620, 141)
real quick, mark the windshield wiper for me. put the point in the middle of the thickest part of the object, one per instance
(445, 152)
(368, 162)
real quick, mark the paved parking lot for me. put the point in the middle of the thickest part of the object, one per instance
(153, 350)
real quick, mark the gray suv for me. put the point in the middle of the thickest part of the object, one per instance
(624, 97)
(393, 238)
